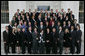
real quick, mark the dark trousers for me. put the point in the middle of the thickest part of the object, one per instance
(48, 49)
(60, 47)
(54, 49)
(6, 48)
(13, 48)
(29, 48)
(72, 47)
(41, 48)
(23, 48)
(78, 47)
(35, 48)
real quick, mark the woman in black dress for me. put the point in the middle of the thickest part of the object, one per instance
(66, 40)
(18, 40)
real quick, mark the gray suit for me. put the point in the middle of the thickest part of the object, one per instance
(35, 42)
(61, 35)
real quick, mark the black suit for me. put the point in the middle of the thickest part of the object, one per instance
(54, 42)
(38, 22)
(23, 41)
(73, 36)
(6, 39)
(30, 15)
(10, 32)
(29, 40)
(78, 38)
(51, 14)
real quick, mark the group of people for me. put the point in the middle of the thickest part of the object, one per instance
(43, 33)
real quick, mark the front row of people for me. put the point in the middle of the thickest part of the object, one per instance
(37, 43)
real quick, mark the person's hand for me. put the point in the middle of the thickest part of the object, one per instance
(29, 42)
(17, 41)
(47, 41)
(64, 40)
(4, 41)
(70, 38)
(58, 38)
(78, 41)
(36, 38)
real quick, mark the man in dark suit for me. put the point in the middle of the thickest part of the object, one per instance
(78, 39)
(23, 40)
(51, 14)
(54, 41)
(30, 13)
(60, 39)
(10, 31)
(72, 39)
(36, 14)
(6, 40)
(29, 39)
(39, 20)
(68, 13)
(33, 21)
(42, 27)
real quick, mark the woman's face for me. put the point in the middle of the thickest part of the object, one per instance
(60, 28)
(48, 30)
(66, 30)
(35, 29)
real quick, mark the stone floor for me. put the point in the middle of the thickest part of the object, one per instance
(2, 49)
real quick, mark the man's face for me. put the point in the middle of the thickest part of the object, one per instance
(72, 27)
(54, 29)
(6, 27)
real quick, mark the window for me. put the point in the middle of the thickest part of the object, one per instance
(81, 12)
(4, 12)
(44, 8)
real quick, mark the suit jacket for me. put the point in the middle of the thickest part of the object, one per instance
(30, 15)
(18, 37)
(10, 29)
(49, 38)
(13, 38)
(6, 37)
(73, 36)
(78, 35)
(61, 35)
(38, 22)
(51, 14)
(29, 38)
(54, 37)
(23, 37)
